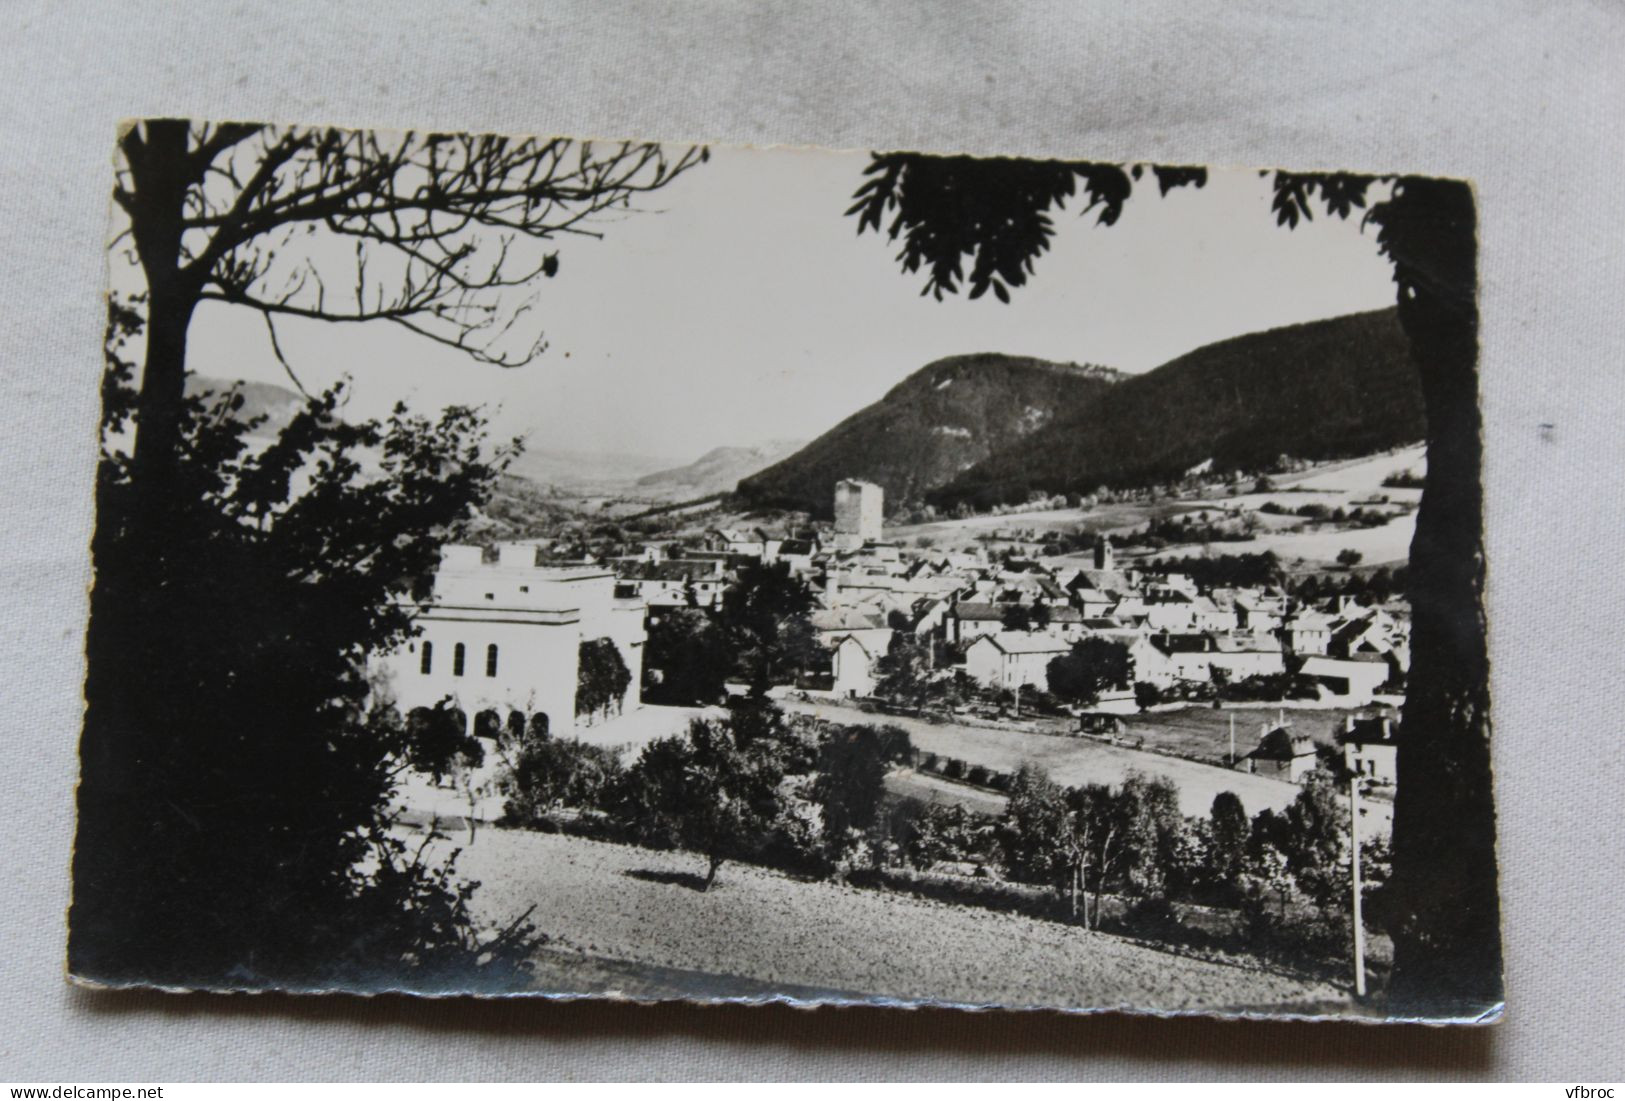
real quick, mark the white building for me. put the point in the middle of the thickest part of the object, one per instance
(1370, 749)
(854, 667)
(1350, 681)
(505, 636)
(859, 510)
(1013, 659)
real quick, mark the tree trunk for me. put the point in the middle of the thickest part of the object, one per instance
(160, 174)
(163, 392)
(712, 864)
(1446, 921)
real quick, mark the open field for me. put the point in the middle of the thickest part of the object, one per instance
(1113, 517)
(1077, 761)
(1336, 485)
(628, 921)
(1387, 545)
(1363, 475)
(927, 788)
(1205, 731)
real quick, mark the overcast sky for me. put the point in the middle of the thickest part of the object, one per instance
(739, 306)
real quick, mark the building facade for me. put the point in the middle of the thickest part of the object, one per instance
(505, 637)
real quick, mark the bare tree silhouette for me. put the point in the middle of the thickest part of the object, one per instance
(436, 233)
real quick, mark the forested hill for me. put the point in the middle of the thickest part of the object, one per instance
(941, 420)
(277, 404)
(1322, 390)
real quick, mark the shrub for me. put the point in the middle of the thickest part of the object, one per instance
(551, 772)
(1153, 917)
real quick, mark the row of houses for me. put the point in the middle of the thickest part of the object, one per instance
(1006, 620)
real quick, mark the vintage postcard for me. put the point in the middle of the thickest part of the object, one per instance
(613, 569)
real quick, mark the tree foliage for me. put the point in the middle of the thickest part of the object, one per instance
(438, 742)
(436, 233)
(686, 658)
(546, 773)
(1228, 833)
(233, 811)
(602, 677)
(705, 792)
(903, 673)
(851, 781)
(994, 211)
(765, 618)
(233, 824)
(1093, 666)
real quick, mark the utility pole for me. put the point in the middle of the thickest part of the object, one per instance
(1359, 917)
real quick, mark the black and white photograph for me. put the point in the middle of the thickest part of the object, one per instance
(622, 569)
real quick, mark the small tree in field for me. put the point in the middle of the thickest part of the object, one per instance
(1038, 831)
(704, 793)
(904, 671)
(851, 781)
(1228, 832)
(1348, 558)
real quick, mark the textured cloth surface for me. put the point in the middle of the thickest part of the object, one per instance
(1525, 99)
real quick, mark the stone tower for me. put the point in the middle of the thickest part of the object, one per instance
(1103, 553)
(858, 511)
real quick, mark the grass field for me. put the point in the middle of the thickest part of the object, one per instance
(1205, 732)
(1077, 761)
(1335, 485)
(628, 921)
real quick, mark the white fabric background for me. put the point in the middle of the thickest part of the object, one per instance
(1525, 98)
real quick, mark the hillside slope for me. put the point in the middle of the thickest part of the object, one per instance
(622, 919)
(1321, 390)
(277, 404)
(720, 469)
(941, 420)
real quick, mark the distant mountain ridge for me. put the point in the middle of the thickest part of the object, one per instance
(1326, 389)
(277, 404)
(941, 420)
(721, 468)
(586, 471)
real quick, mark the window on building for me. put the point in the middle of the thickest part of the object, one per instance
(491, 660)
(426, 662)
(457, 657)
